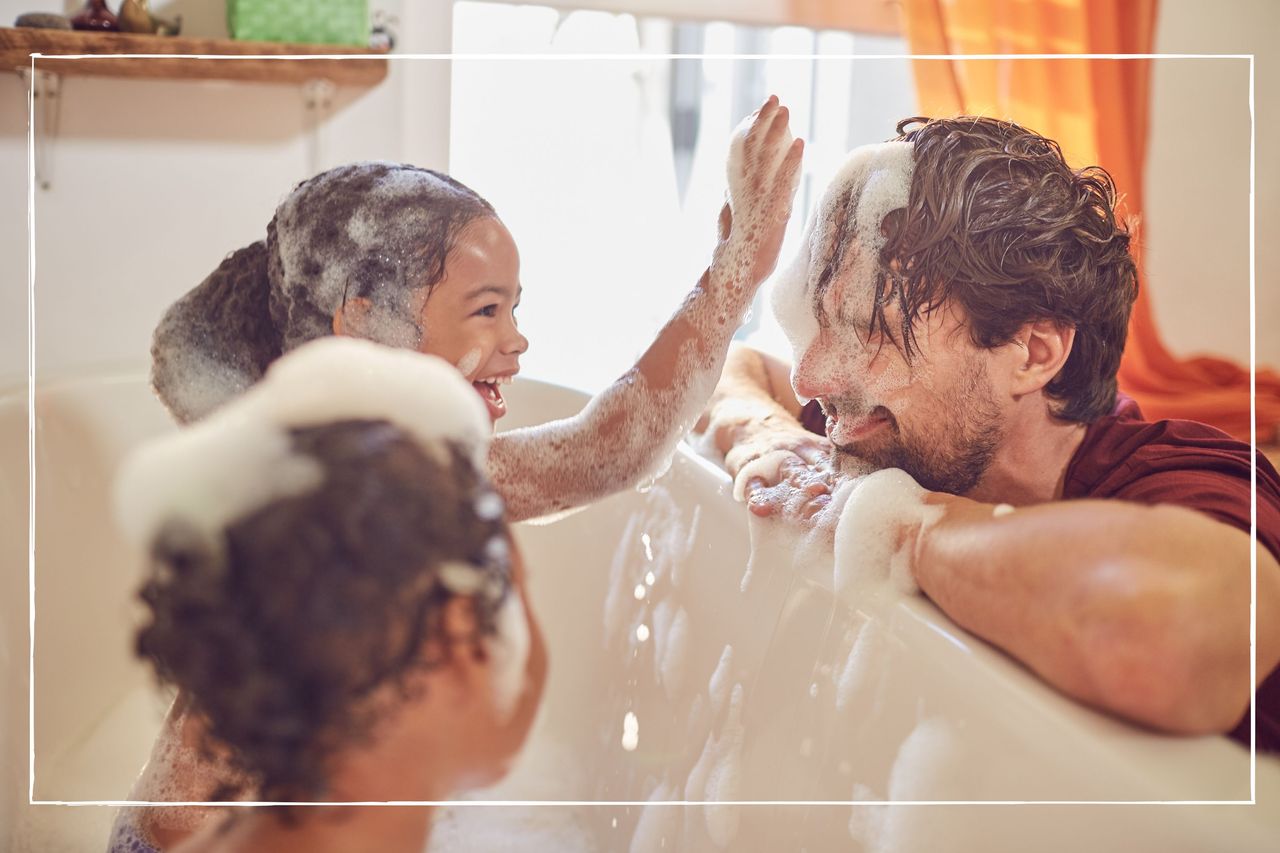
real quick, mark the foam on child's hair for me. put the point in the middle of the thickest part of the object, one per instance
(240, 458)
(352, 234)
(357, 226)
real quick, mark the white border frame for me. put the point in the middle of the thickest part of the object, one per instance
(31, 421)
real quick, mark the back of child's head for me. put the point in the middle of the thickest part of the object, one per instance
(303, 544)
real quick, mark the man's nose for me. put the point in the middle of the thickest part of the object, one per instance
(815, 373)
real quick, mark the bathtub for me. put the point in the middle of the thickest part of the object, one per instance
(692, 659)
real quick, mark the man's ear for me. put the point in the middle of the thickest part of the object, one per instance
(352, 317)
(1043, 347)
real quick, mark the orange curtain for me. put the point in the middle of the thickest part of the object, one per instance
(1097, 109)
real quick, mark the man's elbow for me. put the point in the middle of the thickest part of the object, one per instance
(1175, 696)
(1176, 659)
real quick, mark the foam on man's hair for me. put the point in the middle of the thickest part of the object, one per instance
(844, 230)
(241, 458)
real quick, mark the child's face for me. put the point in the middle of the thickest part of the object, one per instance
(469, 316)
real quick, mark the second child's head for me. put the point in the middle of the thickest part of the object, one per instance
(332, 583)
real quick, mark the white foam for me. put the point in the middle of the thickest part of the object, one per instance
(461, 578)
(933, 763)
(874, 180)
(341, 378)
(925, 765)
(871, 548)
(766, 466)
(379, 225)
(208, 475)
(468, 363)
(210, 381)
(508, 652)
(240, 458)
(792, 300)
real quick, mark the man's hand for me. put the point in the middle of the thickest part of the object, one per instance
(785, 485)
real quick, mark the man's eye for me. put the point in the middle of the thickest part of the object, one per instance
(488, 311)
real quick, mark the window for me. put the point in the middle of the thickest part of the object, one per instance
(610, 171)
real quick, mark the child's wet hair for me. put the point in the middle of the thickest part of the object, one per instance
(284, 629)
(376, 231)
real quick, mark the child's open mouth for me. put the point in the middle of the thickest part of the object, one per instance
(490, 392)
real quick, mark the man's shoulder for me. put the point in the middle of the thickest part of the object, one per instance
(1178, 462)
(1122, 447)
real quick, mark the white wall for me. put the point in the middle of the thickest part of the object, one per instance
(1197, 219)
(154, 181)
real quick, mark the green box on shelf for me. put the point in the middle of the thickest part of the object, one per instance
(301, 21)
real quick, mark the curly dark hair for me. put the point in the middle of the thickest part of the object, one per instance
(999, 224)
(380, 230)
(280, 629)
(417, 230)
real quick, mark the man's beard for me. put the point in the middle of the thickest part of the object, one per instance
(952, 458)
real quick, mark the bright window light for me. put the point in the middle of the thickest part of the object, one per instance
(610, 173)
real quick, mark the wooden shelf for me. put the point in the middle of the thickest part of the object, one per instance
(186, 58)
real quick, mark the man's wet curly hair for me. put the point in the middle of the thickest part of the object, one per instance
(282, 628)
(999, 224)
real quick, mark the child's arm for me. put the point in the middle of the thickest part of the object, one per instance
(629, 430)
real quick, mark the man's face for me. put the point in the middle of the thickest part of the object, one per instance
(935, 417)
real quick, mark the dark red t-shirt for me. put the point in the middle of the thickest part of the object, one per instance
(1173, 462)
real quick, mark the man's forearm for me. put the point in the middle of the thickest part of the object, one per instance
(1142, 611)
(752, 396)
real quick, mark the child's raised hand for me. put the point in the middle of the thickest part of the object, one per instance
(764, 171)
